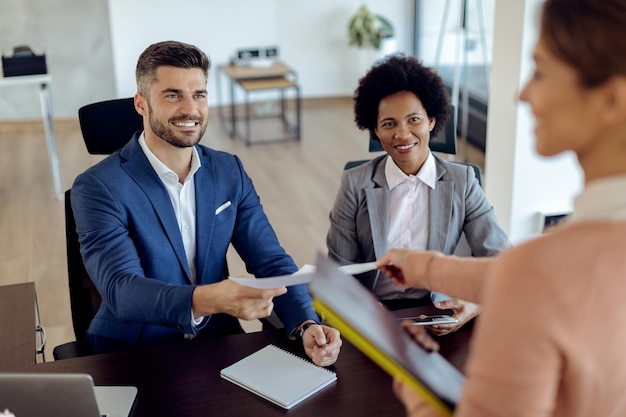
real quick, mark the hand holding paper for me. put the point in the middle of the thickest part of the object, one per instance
(274, 282)
(239, 301)
(303, 276)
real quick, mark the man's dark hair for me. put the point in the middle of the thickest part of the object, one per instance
(171, 54)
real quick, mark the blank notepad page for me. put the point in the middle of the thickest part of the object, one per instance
(278, 376)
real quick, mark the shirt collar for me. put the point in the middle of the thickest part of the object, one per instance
(427, 173)
(160, 168)
(602, 199)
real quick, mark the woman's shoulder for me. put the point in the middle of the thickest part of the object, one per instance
(365, 164)
(364, 171)
(569, 246)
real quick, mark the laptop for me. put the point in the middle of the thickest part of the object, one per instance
(67, 395)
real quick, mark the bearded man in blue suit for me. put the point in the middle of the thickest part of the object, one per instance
(155, 220)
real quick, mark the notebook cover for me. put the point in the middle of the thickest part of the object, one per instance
(352, 309)
(278, 376)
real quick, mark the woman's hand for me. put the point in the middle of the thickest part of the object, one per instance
(463, 311)
(414, 404)
(394, 265)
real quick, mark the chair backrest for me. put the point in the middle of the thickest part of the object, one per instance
(108, 125)
(444, 141)
(84, 298)
(477, 172)
(476, 168)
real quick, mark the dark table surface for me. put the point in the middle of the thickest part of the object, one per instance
(183, 379)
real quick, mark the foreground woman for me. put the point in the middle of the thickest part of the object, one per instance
(550, 342)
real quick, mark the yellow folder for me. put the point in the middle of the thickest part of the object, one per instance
(348, 306)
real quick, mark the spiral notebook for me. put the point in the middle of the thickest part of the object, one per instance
(278, 376)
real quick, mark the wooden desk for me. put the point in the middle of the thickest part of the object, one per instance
(17, 325)
(183, 379)
(249, 72)
(278, 77)
(43, 81)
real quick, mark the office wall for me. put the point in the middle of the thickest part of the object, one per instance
(75, 36)
(452, 24)
(92, 45)
(311, 36)
(85, 49)
(519, 183)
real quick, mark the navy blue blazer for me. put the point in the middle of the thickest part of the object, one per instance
(133, 250)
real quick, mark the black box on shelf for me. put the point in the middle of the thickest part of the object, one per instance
(23, 62)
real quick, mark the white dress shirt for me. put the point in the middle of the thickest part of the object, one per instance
(183, 198)
(408, 217)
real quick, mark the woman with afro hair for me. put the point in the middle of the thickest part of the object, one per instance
(408, 198)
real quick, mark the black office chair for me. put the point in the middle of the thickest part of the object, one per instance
(106, 127)
(443, 142)
(84, 298)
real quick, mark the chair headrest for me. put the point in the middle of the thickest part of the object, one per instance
(108, 125)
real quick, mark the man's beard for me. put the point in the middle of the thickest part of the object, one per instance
(166, 133)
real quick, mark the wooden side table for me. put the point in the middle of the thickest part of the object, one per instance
(18, 323)
(277, 77)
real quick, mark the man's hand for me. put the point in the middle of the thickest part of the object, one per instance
(463, 311)
(234, 299)
(322, 344)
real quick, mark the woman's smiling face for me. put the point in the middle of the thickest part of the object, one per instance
(403, 127)
(566, 113)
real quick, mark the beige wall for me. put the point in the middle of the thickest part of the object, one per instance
(76, 38)
(88, 42)
(520, 184)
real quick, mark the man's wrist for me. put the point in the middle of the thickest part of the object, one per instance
(299, 331)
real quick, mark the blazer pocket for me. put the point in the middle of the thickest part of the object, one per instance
(222, 207)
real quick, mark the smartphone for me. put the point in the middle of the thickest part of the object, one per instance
(430, 320)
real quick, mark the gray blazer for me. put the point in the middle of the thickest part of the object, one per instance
(359, 219)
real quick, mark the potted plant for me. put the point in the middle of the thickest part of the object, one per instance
(368, 30)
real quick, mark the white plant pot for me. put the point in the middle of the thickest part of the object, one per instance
(388, 46)
(365, 57)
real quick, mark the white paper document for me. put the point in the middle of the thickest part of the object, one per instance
(274, 282)
(358, 268)
(303, 276)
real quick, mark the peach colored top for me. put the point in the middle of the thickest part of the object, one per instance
(551, 340)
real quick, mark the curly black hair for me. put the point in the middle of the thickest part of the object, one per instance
(392, 74)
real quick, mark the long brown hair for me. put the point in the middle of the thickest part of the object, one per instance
(589, 35)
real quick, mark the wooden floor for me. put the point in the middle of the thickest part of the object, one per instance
(297, 182)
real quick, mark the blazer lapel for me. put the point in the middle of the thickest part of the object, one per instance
(205, 207)
(440, 210)
(378, 207)
(139, 169)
